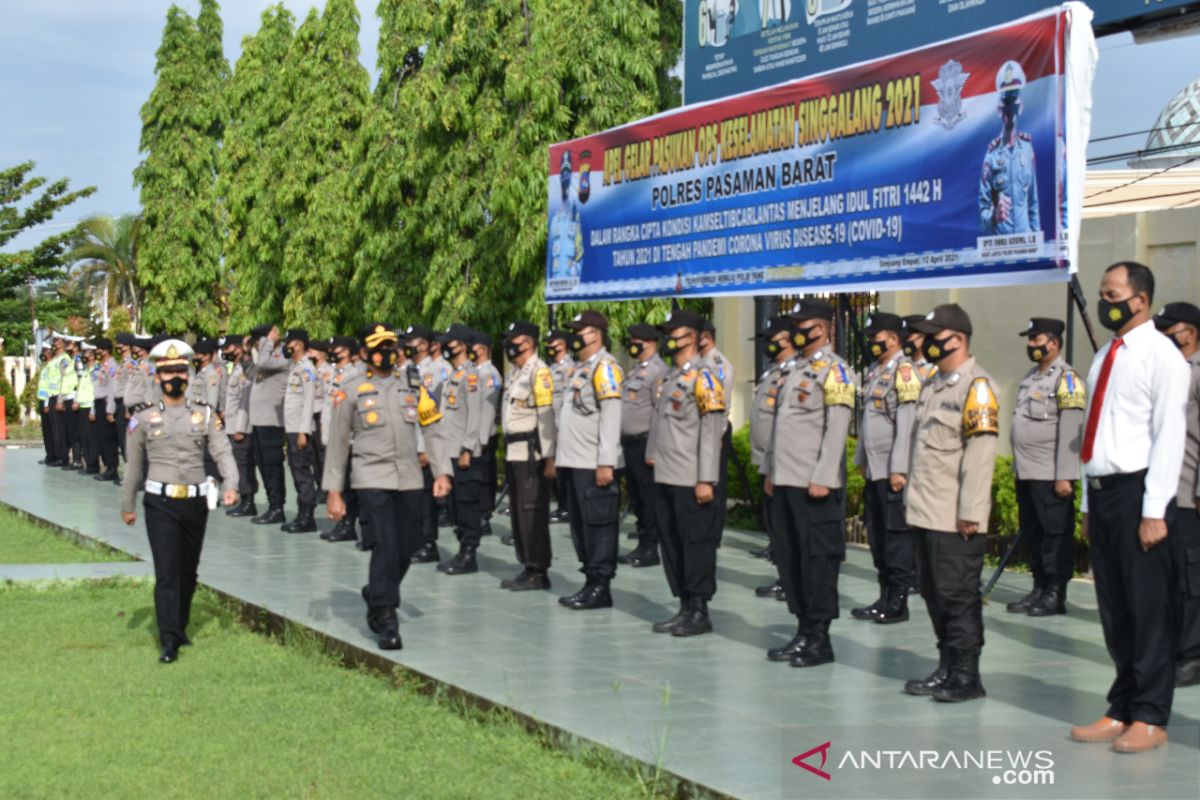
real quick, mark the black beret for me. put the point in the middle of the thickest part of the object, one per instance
(1039, 325)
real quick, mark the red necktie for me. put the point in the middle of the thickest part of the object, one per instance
(1093, 420)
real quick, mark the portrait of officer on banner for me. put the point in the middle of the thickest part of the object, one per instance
(716, 21)
(1008, 198)
(566, 233)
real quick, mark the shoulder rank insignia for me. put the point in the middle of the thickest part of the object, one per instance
(710, 393)
(1071, 392)
(606, 381)
(839, 388)
(981, 413)
(908, 384)
(543, 388)
(427, 410)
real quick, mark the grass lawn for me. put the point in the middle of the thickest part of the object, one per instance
(30, 432)
(26, 542)
(88, 712)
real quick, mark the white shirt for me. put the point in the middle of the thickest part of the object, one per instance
(1143, 419)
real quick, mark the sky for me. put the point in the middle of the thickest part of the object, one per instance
(75, 73)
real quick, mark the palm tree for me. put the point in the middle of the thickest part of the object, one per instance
(104, 251)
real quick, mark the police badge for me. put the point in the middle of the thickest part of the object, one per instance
(949, 85)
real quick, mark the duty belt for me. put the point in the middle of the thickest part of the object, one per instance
(176, 491)
(634, 438)
(531, 438)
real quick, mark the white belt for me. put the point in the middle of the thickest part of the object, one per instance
(176, 491)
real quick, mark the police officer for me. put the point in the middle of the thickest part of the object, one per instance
(805, 463)
(125, 355)
(913, 340)
(418, 348)
(172, 438)
(529, 437)
(271, 374)
(391, 420)
(949, 498)
(781, 350)
(44, 396)
(346, 371)
(491, 386)
(1047, 424)
(722, 368)
(684, 451)
(637, 412)
(589, 448)
(64, 395)
(318, 351)
(85, 401)
(462, 408)
(1180, 322)
(142, 390)
(299, 402)
(558, 352)
(889, 406)
(208, 386)
(236, 416)
(104, 426)
(1008, 196)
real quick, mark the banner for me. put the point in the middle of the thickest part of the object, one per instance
(944, 166)
(735, 46)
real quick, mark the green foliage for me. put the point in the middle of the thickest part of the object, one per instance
(1004, 520)
(119, 321)
(104, 251)
(12, 409)
(23, 541)
(29, 395)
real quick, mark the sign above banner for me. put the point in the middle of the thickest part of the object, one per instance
(734, 46)
(952, 165)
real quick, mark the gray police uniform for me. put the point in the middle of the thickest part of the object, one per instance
(433, 373)
(560, 372)
(722, 369)
(299, 404)
(324, 386)
(1184, 530)
(1009, 170)
(527, 414)
(266, 417)
(104, 379)
(461, 407)
(237, 421)
(343, 377)
(491, 386)
(637, 412)
(762, 424)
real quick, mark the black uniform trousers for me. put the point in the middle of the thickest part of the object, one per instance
(45, 413)
(529, 491)
(176, 532)
(464, 502)
(808, 538)
(1185, 543)
(1137, 604)
(1049, 522)
(640, 487)
(122, 426)
(105, 434)
(91, 442)
(268, 454)
(891, 540)
(76, 424)
(429, 509)
(397, 537)
(302, 461)
(562, 491)
(243, 456)
(765, 510)
(949, 570)
(722, 488)
(688, 532)
(595, 516)
(489, 474)
(314, 440)
(58, 430)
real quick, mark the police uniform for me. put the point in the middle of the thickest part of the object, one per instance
(527, 414)
(271, 374)
(324, 370)
(684, 446)
(104, 431)
(237, 423)
(432, 373)
(491, 386)
(637, 412)
(462, 408)
(299, 405)
(589, 436)
(1047, 425)
(722, 368)
(170, 442)
(889, 404)
(813, 413)
(950, 479)
(1008, 168)
(85, 398)
(560, 372)
(391, 420)
(44, 407)
(344, 375)
(762, 423)
(64, 412)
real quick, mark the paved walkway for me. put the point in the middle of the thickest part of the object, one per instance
(710, 709)
(62, 572)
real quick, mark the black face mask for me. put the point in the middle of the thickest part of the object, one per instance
(878, 349)
(287, 352)
(802, 336)
(383, 358)
(910, 349)
(675, 345)
(174, 386)
(1174, 337)
(410, 352)
(1036, 353)
(513, 351)
(636, 349)
(451, 353)
(773, 349)
(1114, 315)
(577, 343)
(935, 349)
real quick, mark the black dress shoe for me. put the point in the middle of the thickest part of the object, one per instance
(169, 655)
(1022, 606)
(597, 597)
(272, 516)
(532, 582)
(769, 590)
(507, 540)
(507, 583)
(571, 599)
(644, 555)
(428, 554)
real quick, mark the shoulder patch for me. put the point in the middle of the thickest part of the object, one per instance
(839, 388)
(908, 384)
(365, 387)
(1071, 392)
(710, 393)
(606, 381)
(472, 382)
(427, 410)
(543, 388)
(981, 413)
(338, 397)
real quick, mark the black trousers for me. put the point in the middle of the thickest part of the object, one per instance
(809, 541)
(45, 412)
(765, 510)
(397, 535)
(488, 473)
(268, 454)
(314, 440)
(1049, 522)
(595, 515)
(58, 430)
(722, 488)
(1134, 589)
(562, 491)
(122, 425)
(1184, 539)
(688, 533)
(640, 488)
(949, 569)
(890, 538)
(105, 433)
(76, 422)
(243, 456)
(176, 532)
(91, 442)
(464, 502)
(529, 493)
(302, 461)
(429, 509)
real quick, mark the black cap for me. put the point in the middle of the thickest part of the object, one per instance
(556, 335)
(102, 344)
(204, 347)
(883, 321)
(296, 335)
(232, 340)
(947, 316)
(1039, 325)
(348, 342)
(481, 337)
(259, 331)
(708, 327)
(912, 319)
(521, 328)
(145, 342)
(457, 333)
(1172, 313)
(682, 318)
(419, 332)
(126, 338)
(773, 327)
(320, 345)
(642, 331)
(589, 319)
(811, 308)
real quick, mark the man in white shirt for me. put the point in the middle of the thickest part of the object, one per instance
(1132, 452)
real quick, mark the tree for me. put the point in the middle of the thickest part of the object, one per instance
(105, 251)
(182, 123)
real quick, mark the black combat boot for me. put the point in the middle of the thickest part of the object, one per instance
(570, 599)
(303, 523)
(246, 508)
(923, 687)
(793, 647)
(644, 555)
(507, 540)
(774, 589)
(695, 621)
(963, 683)
(389, 630)
(461, 564)
(507, 583)
(668, 625)
(534, 580)
(428, 554)
(817, 648)
(272, 516)
(598, 596)
(1053, 600)
(1022, 606)
(869, 612)
(896, 609)
(763, 552)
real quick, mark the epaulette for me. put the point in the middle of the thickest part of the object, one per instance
(995, 143)
(1024, 135)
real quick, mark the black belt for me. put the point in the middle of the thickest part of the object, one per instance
(635, 438)
(531, 438)
(1105, 482)
(141, 407)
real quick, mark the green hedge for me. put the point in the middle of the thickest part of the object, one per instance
(12, 411)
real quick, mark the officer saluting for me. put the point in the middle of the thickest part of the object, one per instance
(388, 417)
(172, 438)
(1047, 424)
(637, 411)
(684, 449)
(805, 462)
(271, 370)
(949, 499)
(299, 405)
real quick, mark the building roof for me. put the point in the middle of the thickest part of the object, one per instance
(1108, 192)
